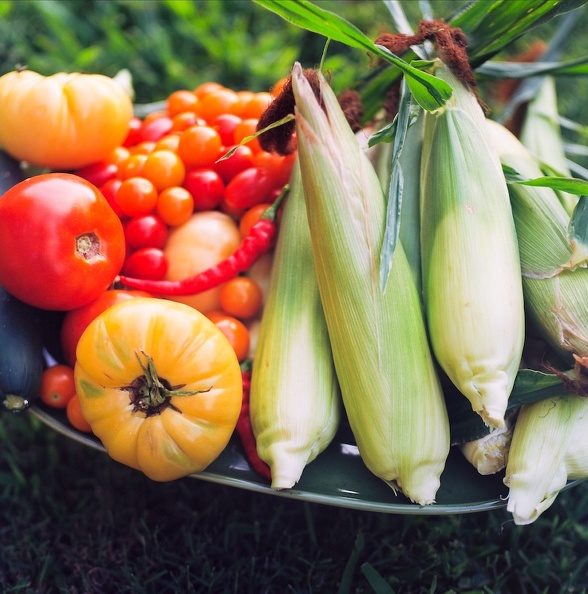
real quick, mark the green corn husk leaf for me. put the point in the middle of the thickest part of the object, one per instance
(390, 389)
(541, 134)
(294, 397)
(470, 265)
(555, 279)
(544, 454)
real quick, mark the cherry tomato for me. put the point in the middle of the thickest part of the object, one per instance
(149, 262)
(133, 135)
(145, 147)
(181, 101)
(226, 124)
(146, 231)
(98, 173)
(136, 196)
(218, 102)
(131, 166)
(57, 386)
(206, 186)
(76, 320)
(235, 331)
(168, 143)
(175, 205)
(199, 146)
(156, 127)
(255, 107)
(184, 120)
(241, 297)
(279, 167)
(249, 187)
(164, 168)
(207, 87)
(109, 190)
(240, 159)
(61, 242)
(251, 216)
(245, 128)
(75, 416)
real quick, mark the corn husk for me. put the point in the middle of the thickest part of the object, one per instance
(294, 396)
(555, 281)
(470, 264)
(549, 446)
(541, 135)
(390, 389)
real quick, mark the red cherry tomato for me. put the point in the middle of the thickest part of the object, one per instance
(61, 244)
(149, 263)
(250, 187)
(57, 386)
(156, 128)
(76, 320)
(226, 124)
(241, 159)
(146, 231)
(134, 133)
(206, 186)
(98, 173)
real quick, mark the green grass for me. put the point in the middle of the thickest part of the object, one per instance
(74, 521)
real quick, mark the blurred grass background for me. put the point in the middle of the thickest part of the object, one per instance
(73, 521)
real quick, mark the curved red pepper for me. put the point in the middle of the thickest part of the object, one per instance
(258, 241)
(245, 431)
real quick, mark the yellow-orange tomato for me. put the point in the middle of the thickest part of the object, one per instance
(64, 121)
(160, 386)
(207, 238)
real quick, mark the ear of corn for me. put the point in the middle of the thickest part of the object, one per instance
(548, 447)
(390, 389)
(470, 262)
(554, 285)
(294, 397)
(489, 454)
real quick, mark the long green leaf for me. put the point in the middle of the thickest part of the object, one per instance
(430, 92)
(492, 25)
(524, 70)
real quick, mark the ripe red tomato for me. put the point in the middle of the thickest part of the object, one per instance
(62, 245)
(77, 320)
(248, 188)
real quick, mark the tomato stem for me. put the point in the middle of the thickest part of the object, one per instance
(88, 245)
(149, 393)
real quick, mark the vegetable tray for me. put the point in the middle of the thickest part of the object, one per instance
(337, 477)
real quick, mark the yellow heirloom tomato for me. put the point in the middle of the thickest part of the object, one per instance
(160, 386)
(63, 121)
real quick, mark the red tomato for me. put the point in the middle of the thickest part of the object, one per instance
(98, 173)
(148, 262)
(146, 231)
(77, 320)
(62, 245)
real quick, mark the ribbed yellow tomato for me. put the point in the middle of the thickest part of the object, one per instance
(63, 121)
(160, 386)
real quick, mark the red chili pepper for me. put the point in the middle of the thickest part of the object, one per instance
(245, 431)
(257, 242)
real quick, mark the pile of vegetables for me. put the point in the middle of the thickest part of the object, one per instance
(276, 264)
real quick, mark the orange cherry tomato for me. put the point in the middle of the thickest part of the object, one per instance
(257, 105)
(136, 196)
(164, 169)
(75, 415)
(181, 100)
(235, 331)
(241, 297)
(199, 146)
(175, 205)
(251, 216)
(57, 386)
(218, 102)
